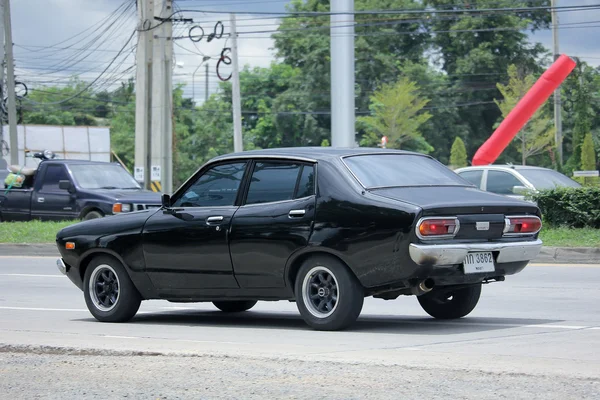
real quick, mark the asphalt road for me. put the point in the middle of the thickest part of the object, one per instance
(536, 335)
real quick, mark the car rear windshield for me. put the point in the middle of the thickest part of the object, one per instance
(543, 179)
(396, 170)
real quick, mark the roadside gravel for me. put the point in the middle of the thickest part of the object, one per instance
(31, 375)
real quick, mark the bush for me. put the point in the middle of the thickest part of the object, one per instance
(570, 207)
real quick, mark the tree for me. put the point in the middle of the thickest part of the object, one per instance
(538, 134)
(458, 154)
(588, 154)
(381, 42)
(396, 113)
(580, 111)
(475, 50)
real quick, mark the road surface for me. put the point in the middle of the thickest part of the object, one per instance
(536, 335)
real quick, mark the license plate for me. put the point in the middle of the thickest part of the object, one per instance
(479, 262)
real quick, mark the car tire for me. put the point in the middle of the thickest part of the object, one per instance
(117, 303)
(235, 306)
(450, 304)
(92, 215)
(328, 295)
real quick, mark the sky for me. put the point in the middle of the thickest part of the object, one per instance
(51, 36)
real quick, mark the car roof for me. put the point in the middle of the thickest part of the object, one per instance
(501, 166)
(313, 153)
(74, 161)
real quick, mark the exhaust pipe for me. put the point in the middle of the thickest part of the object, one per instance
(423, 287)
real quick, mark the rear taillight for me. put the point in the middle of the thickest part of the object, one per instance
(437, 228)
(522, 225)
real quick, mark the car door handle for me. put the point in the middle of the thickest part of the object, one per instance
(213, 219)
(40, 199)
(296, 213)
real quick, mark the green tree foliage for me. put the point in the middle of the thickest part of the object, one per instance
(458, 154)
(396, 113)
(381, 43)
(538, 134)
(581, 111)
(475, 50)
(588, 154)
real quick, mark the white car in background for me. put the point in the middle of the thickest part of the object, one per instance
(515, 180)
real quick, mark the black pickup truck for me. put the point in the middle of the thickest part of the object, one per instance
(73, 189)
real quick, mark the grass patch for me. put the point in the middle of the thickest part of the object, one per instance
(31, 231)
(45, 232)
(569, 237)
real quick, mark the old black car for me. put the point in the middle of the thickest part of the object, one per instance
(323, 227)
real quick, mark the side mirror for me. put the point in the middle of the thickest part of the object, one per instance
(166, 200)
(66, 185)
(520, 190)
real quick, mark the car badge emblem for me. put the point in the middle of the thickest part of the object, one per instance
(482, 226)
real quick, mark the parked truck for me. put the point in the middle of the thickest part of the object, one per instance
(61, 189)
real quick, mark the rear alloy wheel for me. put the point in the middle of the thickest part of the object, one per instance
(235, 305)
(450, 304)
(328, 295)
(108, 291)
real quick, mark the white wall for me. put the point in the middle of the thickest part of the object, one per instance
(69, 142)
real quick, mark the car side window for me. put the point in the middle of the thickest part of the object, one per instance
(273, 181)
(54, 174)
(306, 184)
(472, 176)
(216, 187)
(501, 182)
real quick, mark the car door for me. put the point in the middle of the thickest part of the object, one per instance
(502, 182)
(185, 247)
(275, 220)
(49, 202)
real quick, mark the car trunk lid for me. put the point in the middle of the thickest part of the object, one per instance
(481, 214)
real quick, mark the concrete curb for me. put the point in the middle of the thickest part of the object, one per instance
(29, 250)
(548, 255)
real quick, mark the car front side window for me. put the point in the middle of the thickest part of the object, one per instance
(217, 187)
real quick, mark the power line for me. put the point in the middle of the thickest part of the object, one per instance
(93, 82)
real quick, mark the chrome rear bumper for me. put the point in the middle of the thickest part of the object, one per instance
(451, 254)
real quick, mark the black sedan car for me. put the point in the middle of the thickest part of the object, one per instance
(323, 227)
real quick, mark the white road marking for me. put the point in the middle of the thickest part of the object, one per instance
(43, 309)
(557, 326)
(35, 275)
(123, 337)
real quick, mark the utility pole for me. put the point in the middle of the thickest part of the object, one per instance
(2, 88)
(154, 96)
(143, 89)
(342, 73)
(205, 58)
(237, 108)
(557, 103)
(161, 172)
(206, 82)
(10, 70)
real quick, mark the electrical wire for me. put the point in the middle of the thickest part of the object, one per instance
(93, 82)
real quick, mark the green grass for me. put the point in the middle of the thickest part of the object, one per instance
(566, 237)
(45, 232)
(31, 232)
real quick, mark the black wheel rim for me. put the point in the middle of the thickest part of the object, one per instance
(320, 292)
(104, 288)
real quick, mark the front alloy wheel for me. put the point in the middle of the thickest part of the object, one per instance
(328, 295)
(108, 291)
